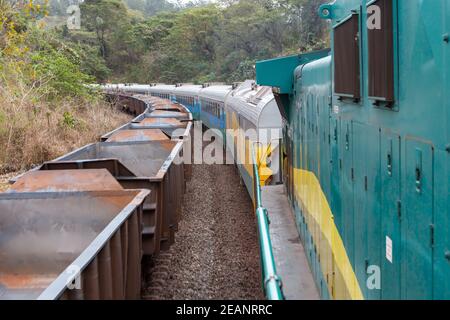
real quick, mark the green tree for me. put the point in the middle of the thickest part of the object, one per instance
(105, 18)
(191, 42)
(151, 7)
(188, 50)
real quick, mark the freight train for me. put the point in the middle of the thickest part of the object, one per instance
(79, 226)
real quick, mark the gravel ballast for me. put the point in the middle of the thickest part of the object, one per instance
(216, 254)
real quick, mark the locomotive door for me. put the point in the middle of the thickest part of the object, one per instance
(297, 144)
(417, 223)
(300, 147)
(390, 216)
(291, 165)
(325, 140)
(314, 162)
(303, 154)
(284, 157)
(371, 182)
(335, 201)
(360, 203)
(288, 163)
(346, 169)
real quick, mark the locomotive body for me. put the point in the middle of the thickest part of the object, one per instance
(367, 146)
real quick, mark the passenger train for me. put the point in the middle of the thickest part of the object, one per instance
(244, 115)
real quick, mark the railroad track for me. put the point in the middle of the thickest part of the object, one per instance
(216, 255)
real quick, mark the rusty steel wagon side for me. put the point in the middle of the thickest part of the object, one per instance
(142, 164)
(176, 123)
(173, 128)
(71, 245)
(161, 118)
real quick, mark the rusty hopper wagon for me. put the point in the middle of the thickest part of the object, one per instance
(89, 240)
(147, 164)
(69, 233)
(78, 234)
(138, 135)
(162, 120)
(175, 127)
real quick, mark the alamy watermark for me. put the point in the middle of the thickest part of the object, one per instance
(74, 18)
(73, 281)
(374, 17)
(373, 277)
(242, 147)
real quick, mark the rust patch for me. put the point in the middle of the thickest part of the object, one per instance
(138, 135)
(19, 281)
(66, 180)
(173, 107)
(159, 112)
(162, 121)
(168, 145)
(120, 201)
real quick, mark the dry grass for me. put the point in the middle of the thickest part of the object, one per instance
(4, 180)
(31, 133)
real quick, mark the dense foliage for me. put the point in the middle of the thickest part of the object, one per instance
(46, 109)
(197, 43)
(159, 41)
(150, 40)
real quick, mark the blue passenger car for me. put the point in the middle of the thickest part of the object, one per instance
(187, 95)
(212, 101)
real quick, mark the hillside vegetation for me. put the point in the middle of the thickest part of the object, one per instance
(46, 109)
(158, 41)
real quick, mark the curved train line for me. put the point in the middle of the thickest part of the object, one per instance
(85, 220)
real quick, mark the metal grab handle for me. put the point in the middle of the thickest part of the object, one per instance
(418, 179)
(418, 171)
(447, 255)
(389, 164)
